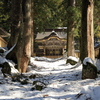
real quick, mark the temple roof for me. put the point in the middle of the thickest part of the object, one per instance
(45, 35)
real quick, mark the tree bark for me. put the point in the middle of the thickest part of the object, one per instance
(87, 39)
(70, 30)
(87, 34)
(16, 30)
(16, 52)
(21, 53)
(32, 29)
(26, 54)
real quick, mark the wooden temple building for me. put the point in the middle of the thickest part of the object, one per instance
(51, 43)
(3, 34)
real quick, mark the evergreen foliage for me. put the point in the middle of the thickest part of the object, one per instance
(5, 9)
(51, 14)
(97, 18)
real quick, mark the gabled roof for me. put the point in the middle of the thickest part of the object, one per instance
(45, 35)
(3, 33)
(52, 34)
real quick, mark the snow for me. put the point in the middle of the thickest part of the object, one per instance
(12, 64)
(2, 60)
(89, 60)
(73, 58)
(9, 51)
(98, 64)
(63, 82)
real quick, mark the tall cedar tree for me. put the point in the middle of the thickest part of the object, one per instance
(16, 21)
(26, 46)
(87, 39)
(21, 53)
(87, 33)
(32, 28)
(16, 17)
(70, 29)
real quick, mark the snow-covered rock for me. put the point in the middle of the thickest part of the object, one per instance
(72, 60)
(89, 60)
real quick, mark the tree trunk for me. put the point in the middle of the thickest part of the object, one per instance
(87, 34)
(32, 29)
(70, 30)
(16, 53)
(16, 21)
(16, 29)
(21, 53)
(87, 39)
(26, 54)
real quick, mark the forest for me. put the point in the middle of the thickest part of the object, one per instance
(24, 18)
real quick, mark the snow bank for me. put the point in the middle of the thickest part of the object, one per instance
(63, 83)
(47, 59)
(13, 69)
(11, 63)
(90, 92)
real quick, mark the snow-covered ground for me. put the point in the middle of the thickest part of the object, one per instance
(63, 82)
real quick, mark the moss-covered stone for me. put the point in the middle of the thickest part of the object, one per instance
(6, 69)
(24, 82)
(89, 71)
(2, 50)
(72, 62)
(39, 85)
(32, 76)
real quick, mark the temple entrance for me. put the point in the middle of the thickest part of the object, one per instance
(54, 52)
(51, 46)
